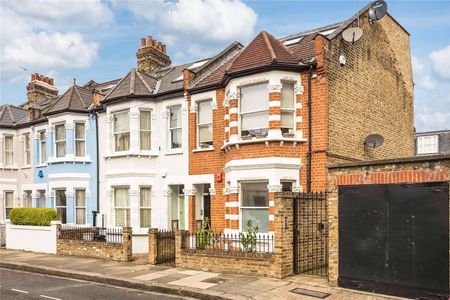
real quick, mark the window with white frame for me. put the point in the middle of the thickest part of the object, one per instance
(61, 205)
(27, 199)
(175, 127)
(9, 151)
(42, 147)
(254, 110)
(80, 139)
(145, 198)
(60, 140)
(287, 108)
(145, 130)
(9, 203)
(122, 206)
(41, 194)
(427, 144)
(204, 124)
(121, 131)
(255, 205)
(26, 149)
(80, 206)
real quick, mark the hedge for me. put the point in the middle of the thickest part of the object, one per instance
(33, 216)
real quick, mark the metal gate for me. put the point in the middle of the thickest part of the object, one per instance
(311, 233)
(165, 246)
(393, 239)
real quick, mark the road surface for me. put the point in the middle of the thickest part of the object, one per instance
(23, 285)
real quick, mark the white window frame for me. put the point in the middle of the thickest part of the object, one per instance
(10, 151)
(79, 140)
(26, 149)
(291, 110)
(240, 113)
(149, 131)
(79, 207)
(61, 206)
(61, 141)
(125, 208)
(434, 144)
(175, 128)
(121, 132)
(42, 147)
(146, 208)
(27, 198)
(204, 125)
(241, 206)
(6, 203)
(42, 199)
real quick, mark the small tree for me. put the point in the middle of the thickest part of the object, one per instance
(248, 240)
(204, 235)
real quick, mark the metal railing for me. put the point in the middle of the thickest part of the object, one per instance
(86, 233)
(229, 244)
(165, 246)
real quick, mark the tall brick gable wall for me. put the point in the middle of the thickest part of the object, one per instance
(372, 93)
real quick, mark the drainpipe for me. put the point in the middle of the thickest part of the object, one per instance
(98, 169)
(309, 153)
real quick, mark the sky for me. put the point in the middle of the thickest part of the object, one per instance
(96, 39)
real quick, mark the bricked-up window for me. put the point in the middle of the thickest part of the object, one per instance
(427, 144)
(80, 139)
(9, 203)
(255, 205)
(254, 110)
(287, 108)
(80, 206)
(60, 140)
(26, 149)
(61, 205)
(145, 129)
(204, 124)
(145, 197)
(27, 199)
(122, 206)
(175, 127)
(9, 151)
(121, 131)
(42, 147)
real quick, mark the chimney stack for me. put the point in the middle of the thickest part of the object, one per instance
(39, 88)
(152, 56)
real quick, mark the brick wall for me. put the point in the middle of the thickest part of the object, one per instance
(407, 170)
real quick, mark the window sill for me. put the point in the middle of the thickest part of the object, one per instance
(203, 149)
(25, 167)
(9, 167)
(262, 140)
(174, 152)
(43, 165)
(68, 159)
(130, 154)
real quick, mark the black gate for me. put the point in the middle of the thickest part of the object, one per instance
(393, 239)
(165, 246)
(311, 234)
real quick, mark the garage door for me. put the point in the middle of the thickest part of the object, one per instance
(393, 239)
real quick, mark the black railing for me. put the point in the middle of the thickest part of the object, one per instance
(107, 235)
(165, 246)
(229, 244)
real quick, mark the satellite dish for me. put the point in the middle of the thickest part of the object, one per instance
(374, 141)
(352, 34)
(377, 10)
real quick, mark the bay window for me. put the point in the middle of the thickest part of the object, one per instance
(42, 147)
(255, 205)
(80, 139)
(42, 203)
(121, 131)
(9, 203)
(61, 205)
(80, 206)
(287, 108)
(122, 206)
(9, 151)
(145, 197)
(60, 140)
(27, 199)
(26, 149)
(145, 129)
(254, 110)
(175, 127)
(204, 124)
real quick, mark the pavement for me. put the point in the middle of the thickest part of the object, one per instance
(139, 275)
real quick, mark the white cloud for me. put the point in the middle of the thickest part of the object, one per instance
(422, 76)
(441, 61)
(433, 121)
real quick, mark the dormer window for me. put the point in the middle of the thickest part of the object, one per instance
(254, 110)
(60, 140)
(121, 131)
(427, 144)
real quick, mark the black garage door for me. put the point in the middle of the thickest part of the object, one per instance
(393, 239)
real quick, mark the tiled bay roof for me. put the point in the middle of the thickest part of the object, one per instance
(11, 115)
(134, 83)
(76, 99)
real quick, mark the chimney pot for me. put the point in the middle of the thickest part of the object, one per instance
(159, 46)
(149, 40)
(33, 77)
(46, 79)
(50, 81)
(163, 48)
(143, 42)
(154, 43)
(41, 77)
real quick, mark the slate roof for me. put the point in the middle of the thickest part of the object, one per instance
(134, 83)
(11, 115)
(76, 98)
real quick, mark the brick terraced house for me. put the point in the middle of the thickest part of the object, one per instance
(216, 138)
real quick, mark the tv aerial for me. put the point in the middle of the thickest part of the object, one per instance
(374, 141)
(377, 10)
(352, 34)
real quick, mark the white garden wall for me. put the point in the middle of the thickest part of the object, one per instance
(140, 243)
(32, 238)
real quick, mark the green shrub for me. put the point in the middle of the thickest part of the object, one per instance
(33, 216)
